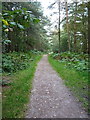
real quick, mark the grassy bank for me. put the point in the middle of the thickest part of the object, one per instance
(77, 81)
(16, 95)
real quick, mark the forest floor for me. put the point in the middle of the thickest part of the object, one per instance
(50, 98)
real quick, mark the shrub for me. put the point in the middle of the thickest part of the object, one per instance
(73, 60)
(12, 62)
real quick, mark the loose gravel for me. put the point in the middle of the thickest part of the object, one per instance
(50, 98)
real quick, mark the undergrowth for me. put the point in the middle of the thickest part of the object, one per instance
(73, 60)
(16, 61)
(12, 62)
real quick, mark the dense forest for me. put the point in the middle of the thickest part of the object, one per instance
(23, 27)
(27, 20)
(74, 32)
(27, 34)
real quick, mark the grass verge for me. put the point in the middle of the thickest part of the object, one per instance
(16, 96)
(77, 81)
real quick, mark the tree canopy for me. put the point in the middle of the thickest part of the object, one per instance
(74, 30)
(23, 26)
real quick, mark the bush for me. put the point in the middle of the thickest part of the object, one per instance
(35, 51)
(73, 60)
(12, 62)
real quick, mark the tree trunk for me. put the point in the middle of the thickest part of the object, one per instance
(75, 42)
(89, 28)
(59, 25)
(85, 47)
(10, 47)
(66, 6)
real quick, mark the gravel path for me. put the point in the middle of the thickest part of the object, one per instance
(50, 98)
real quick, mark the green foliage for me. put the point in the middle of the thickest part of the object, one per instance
(78, 24)
(36, 20)
(22, 24)
(5, 22)
(63, 42)
(6, 42)
(35, 51)
(7, 64)
(73, 60)
(74, 30)
(12, 62)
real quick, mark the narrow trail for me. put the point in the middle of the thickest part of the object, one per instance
(50, 98)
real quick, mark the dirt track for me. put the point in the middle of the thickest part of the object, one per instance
(50, 98)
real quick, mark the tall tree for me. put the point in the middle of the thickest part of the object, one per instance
(78, 25)
(59, 24)
(59, 16)
(89, 29)
(66, 6)
(23, 25)
(75, 13)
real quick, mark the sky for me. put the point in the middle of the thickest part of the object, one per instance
(48, 12)
(45, 4)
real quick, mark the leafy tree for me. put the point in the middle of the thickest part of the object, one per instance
(23, 26)
(78, 22)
